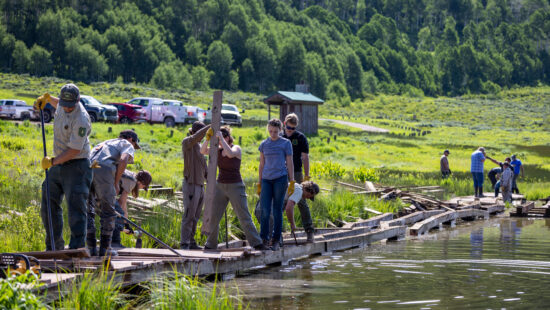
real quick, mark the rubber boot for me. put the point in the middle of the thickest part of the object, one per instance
(116, 241)
(310, 237)
(91, 244)
(105, 246)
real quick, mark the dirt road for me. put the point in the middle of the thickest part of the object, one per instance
(357, 125)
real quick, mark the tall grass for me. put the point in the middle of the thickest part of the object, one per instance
(180, 291)
(93, 290)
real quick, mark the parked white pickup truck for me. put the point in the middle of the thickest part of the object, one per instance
(15, 109)
(169, 112)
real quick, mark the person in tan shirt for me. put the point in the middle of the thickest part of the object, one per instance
(194, 173)
(444, 164)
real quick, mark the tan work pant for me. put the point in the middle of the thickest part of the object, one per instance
(236, 194)
(193, 196)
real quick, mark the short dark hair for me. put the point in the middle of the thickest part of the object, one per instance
(275, 123)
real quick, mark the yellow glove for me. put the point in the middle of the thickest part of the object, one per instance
(95, 165)
(290, 190)
(47, 162)
(307, 178)
(209, 134)
(259, 189)
(41, 101)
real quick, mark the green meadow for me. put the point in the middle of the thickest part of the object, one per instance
(512, 122)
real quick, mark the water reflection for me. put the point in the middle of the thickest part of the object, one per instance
(499, 263)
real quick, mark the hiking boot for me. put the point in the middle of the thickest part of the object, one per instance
(184, 246)
(91, 244)
(310, 237)
(194, 246)
(261, 247)
(117, 245)
(105, 246)
(275, 245)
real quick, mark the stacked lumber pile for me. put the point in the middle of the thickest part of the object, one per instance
(140, 208)
(529, 209)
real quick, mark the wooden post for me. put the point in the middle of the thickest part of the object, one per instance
(268, 111)
(110, 129)
(240, 140)
(212, 163)
(171, 133)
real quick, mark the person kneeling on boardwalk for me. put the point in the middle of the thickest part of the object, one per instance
(129, 183)
(230, 188)
(506, 182)
(305, 190)
(194, 176)
(112, 156)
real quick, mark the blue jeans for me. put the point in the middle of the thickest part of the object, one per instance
(273, 193)
(478, 179)
(497, 188)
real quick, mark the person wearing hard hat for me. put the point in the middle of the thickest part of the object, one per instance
(70, 174)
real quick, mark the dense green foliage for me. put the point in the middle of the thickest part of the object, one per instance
(343, 49)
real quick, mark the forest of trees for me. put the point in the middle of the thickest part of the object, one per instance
(341, 48)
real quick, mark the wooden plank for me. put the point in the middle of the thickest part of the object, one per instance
(525, 208)
(411, 218)
(166, 191)
(372, 211)
(493, 208)
(62, 254)
(365, 238)
(434, 221)
(369, 186)
(212, 163)
(473, 213)
(371, 222)
(350, 185)
(185, 253)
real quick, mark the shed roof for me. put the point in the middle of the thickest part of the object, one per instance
(293, 97)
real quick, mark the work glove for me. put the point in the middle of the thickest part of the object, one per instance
(47, 162)
(307, 178)
(209, 134)
(95, 165)
(259, 189)
(290, 190)
(41, 101)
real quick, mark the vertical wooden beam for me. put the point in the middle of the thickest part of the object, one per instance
(212, 163)
(268, 111)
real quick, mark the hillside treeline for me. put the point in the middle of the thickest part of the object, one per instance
(342, 48)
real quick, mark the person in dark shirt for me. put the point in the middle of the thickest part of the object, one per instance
(300, 158)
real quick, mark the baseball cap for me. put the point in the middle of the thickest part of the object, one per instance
(125, 134)
(446, 151)
(513, 156)
(69, 95)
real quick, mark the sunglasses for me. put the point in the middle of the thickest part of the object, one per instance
(290, 128)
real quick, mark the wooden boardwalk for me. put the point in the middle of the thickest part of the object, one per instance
(134, 266)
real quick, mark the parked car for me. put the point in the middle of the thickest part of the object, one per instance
(169, 112)
(205, 116)
(231, 115)
(129, 113)
(15, 109)
(187, 115)
(98, 111)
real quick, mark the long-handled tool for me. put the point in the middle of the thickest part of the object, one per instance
(294, 235)
(226, 231)
(148, 234)
(52, 242)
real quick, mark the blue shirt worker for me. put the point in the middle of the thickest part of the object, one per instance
(70, 174)
(112, 156)
(518, 168)
(478, 158)
(300, 158)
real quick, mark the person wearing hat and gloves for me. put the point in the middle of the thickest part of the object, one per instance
(444, 164)
(112, 156)
(130, 182)
(70, 174)
(305, 190)
(194, 176)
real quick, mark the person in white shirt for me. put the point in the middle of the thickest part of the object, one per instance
(506, 182)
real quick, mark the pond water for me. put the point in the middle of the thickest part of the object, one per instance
(494, 264)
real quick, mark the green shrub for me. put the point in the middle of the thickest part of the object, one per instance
(16, 292)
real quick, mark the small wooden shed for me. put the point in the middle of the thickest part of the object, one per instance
(301, 102)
